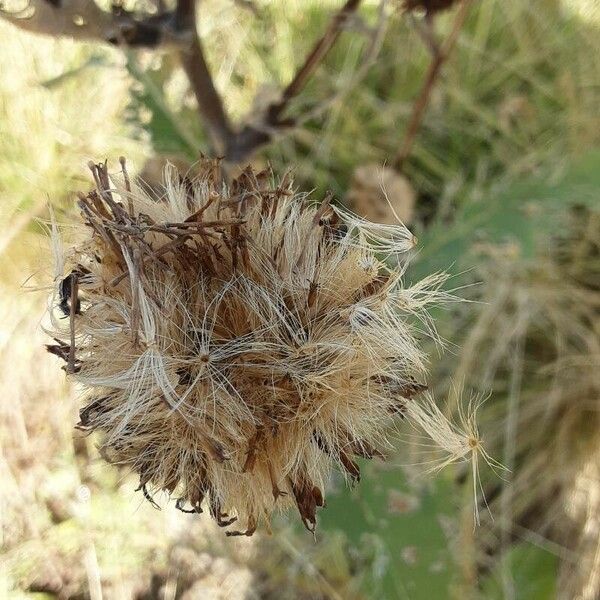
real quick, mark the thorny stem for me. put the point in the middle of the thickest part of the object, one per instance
(440, 56)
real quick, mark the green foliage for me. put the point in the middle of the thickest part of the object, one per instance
(92, 61)
(172, 130)
(524, 217)
(528, 570)
(504, 107)
(395, 531)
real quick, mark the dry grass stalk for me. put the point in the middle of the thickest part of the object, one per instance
(235, 343)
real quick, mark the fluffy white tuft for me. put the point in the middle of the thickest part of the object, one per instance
(235, 343)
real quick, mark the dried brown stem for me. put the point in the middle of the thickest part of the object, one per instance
(196, 68)
(314, 59)
(253, 136)
(135, 296)
(440, 56)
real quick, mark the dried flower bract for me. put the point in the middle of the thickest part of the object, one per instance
(236, 342)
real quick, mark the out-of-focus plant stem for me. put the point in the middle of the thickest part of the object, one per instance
(440, 56)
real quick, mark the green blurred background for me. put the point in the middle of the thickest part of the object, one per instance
(502, 188)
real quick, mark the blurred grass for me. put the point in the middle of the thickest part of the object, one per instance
(506, 106)
(508, 153)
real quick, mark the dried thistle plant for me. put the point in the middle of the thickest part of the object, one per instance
(236, 342)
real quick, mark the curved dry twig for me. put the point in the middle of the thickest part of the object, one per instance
(440, 56)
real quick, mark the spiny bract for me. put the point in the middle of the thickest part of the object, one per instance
(236, 342)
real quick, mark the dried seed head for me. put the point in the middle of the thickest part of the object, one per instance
(237, 342)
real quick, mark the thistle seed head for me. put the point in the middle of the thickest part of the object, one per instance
(234, 343)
